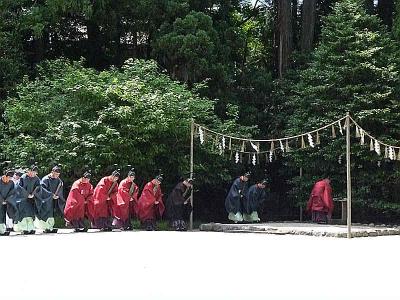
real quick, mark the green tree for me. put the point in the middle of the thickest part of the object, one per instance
(138, 115)
(12, 58)
(188, 47)
(354, 69)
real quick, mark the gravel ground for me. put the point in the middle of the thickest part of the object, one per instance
(197, 265)
(298, 228)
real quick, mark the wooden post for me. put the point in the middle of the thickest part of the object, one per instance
(348, 175)
(344, 211)
(301, 208)
(191, 170)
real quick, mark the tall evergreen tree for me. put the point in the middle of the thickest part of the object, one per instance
(355, 69)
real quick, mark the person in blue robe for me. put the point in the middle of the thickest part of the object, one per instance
(235, 198)
(256, 195)
(29, 197)
(55, 207)
(12, 211)
(6, 196)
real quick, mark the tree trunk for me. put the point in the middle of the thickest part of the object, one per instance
(94, 46)
(295, 25)
(118, 58)
(369, 6)
(385, 10)
(284, 35)
(307, 25)
(40, 47)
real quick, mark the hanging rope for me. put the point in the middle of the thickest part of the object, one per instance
(303, 140)
(371, 137)
(269, 140)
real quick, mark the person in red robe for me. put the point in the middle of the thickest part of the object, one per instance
(320, 203)
(150, 204)
(105, 201)
(76, 207)
(127, 197)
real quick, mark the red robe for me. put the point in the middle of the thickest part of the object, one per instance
(79, 194)
(321, 198)
(102, 208)
(147, 209)
(129, 206)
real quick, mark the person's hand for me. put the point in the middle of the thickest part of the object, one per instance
(30, 196)
(156, 202)
(108, 199)
(55, 197)
(4, 202)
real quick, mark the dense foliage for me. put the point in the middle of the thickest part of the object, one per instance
(104, 82)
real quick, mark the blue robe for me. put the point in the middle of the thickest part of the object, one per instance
(237, 193)
(255, 197)
(6, 197)
(56, 206)
(30, 207)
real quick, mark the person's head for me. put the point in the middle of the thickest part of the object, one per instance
(245, 176)
(115, 175)
(158, 179)
(86, 176)
(188, 182)
(56, 171)
(8, 174)
(17, 175)
(32, 170)
(131, 174)
(262, 184)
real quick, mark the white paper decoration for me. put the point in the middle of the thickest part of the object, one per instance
(310, 140)
(201, 135)
(254, 146)
(377, 147)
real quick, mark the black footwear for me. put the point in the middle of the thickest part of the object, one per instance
(26, 232)
(32, 232)
(149, 226)
(106, 229)
(6, 233)
(175, 225)
(55, 230)
(183, 226)
(47, 231)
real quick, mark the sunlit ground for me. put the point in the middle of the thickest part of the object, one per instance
(198, 265)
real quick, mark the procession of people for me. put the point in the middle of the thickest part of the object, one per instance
(29, 203)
